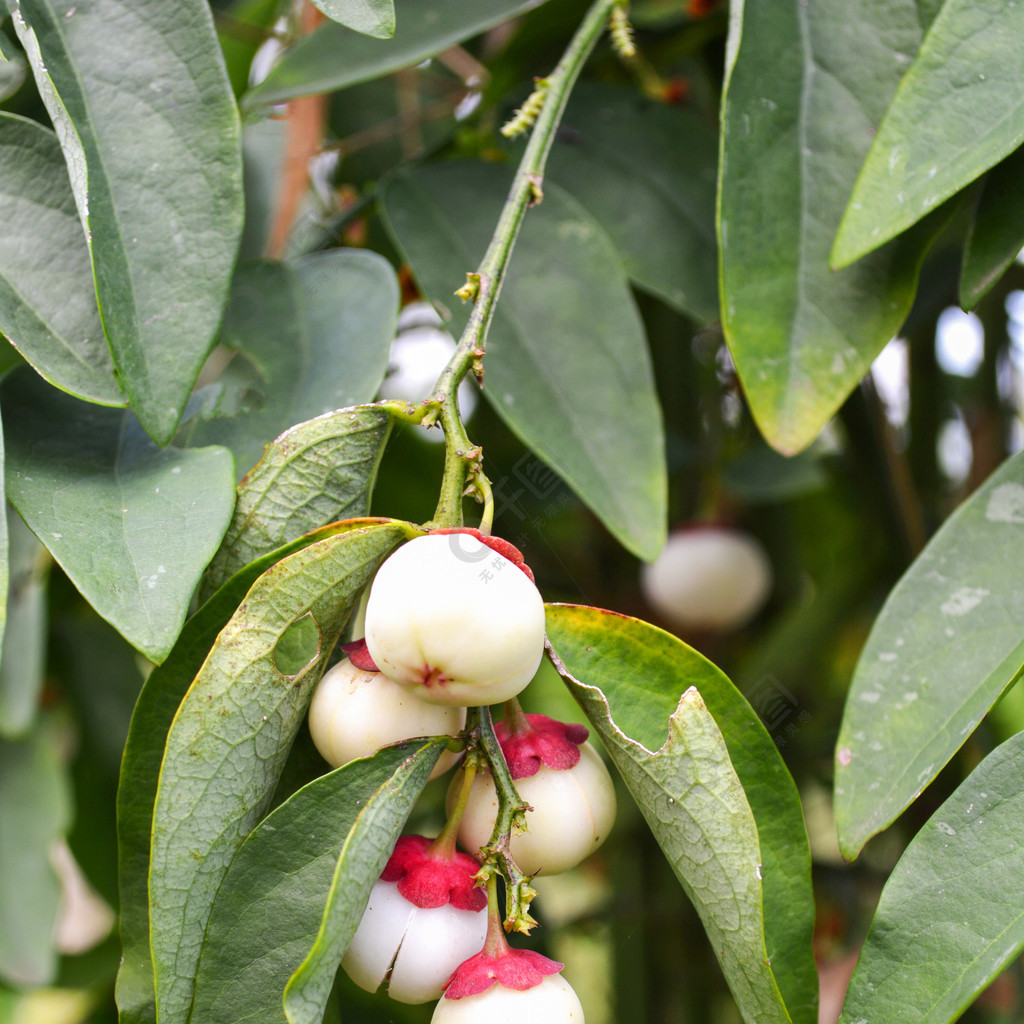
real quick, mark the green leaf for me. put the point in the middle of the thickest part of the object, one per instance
(807, 85)
(327, 843)
(133, 525)
(614, 144)
(155, 164)
(47, 300)
(950, 916)
(959, 110)
(333, 57)
(948, 642)
(351, 300)
(996, 234)
(310, 338)
(24, 647)
(366, 850)
(628, 677)
(370, 17)
(163, 692)
(315, 473)
(34, 812)
(230, 738)
(567, 362)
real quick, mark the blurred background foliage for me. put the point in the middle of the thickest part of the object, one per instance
(841, 522)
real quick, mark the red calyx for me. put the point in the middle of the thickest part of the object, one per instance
(360, 656)
(503, 547)
(545, 741)
(431, 880)
(514, 968)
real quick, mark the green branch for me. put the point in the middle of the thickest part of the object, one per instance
(462, 457)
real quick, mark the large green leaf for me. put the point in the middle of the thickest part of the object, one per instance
(958, 111)
(152, 144)
(231, 735)
(807, 86)
(567, 363)
(947, 644)
(34, 812)
(996, 234)
(951, 915)
(133, 525)
(333, 57)
(154, 712)
(366, 850)
(47, 299)
(616, 144)
(24, 649)
(330, 840)
(629, 676)
(317, 472)
(370, 17)
(309, 338)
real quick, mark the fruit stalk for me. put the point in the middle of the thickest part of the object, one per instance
(497, 857)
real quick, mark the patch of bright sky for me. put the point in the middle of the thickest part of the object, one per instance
(954, 450)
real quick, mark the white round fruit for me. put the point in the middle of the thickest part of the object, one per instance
(708, 577)
(354, 713)
(553, 1001)
(573, 812)
(455, 620)
(420, 947)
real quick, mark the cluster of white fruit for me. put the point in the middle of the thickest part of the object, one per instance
(455, 620)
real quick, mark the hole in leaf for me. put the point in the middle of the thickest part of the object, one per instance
(298, 646)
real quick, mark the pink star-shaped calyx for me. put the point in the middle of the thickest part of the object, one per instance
(514, 968)
(429, 879)
(543, 742)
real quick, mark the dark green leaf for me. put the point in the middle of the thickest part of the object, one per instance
(24, 647)
(34, 812)
(230, 737)
(253, 399)
(567, 362)
(996, 234)
(333, 57)
(140, 769)
(947, 644)
(47, 299)
(646, 173)
(156, 171)
(807, 86)
(958, 111)
(310, 338)
(371, 17)
(131, 524)
(351, 305)
(315, 473)
(950, 917)
(269, 908)
(629, 677)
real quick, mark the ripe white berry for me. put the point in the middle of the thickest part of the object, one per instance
(552, 1001)
(354, 713)
(420, 946)
(426, 915)
(455, 620)
(708, 577)
(573, 812)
